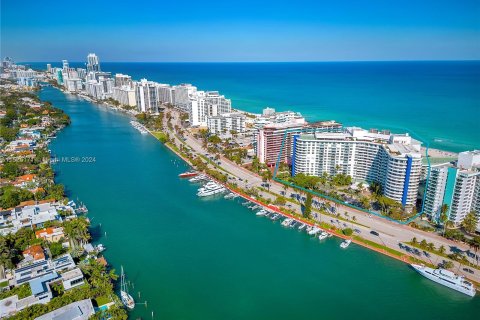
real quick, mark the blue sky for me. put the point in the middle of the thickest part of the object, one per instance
(244, 30)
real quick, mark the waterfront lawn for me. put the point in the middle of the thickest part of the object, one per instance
(161, 136)
(378, 246)
(102, 300)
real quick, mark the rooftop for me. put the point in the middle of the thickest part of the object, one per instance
(39, 285)
(72, 274)
(80, 310)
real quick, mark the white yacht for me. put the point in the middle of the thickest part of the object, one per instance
(302, 226)
(345, 244)
(446, 278)
(261, 212)
(314, 231)
(286, 222)
(323, 235)
(210, 189)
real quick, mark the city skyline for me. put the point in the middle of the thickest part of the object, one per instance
(273, 31)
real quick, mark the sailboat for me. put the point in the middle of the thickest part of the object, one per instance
(127, 299)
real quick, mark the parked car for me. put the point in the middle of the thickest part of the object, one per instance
(375, 233)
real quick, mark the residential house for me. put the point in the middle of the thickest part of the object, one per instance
(51, 234)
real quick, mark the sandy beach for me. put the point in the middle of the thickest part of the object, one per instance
(437, 153)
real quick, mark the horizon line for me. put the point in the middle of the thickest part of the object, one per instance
(296, 61)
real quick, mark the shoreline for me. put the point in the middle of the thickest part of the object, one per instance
(402, 257)
(433, 153)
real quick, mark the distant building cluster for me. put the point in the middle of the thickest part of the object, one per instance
(148, 96)
(23, 75)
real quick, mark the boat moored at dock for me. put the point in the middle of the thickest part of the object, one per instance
(127, 299)
(137, 125)
(446, 278)
(323, 235)
(345, 244)
(210, 189)
(188, 174)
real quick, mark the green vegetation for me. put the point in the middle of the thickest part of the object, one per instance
(470, 221)
(378, 246)
(281, 201)
(308, 206)
(11, 196)
(22, 291)
(347, 231)
(161, 136)
(56, 249)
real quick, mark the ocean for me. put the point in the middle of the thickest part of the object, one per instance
(437, 101)
(192, 258)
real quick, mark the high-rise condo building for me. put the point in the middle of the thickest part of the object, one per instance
(183, 93)
(392, 160)
(122, 80)
(456, 185)
(65, 65)
(166, 93)
(125, 95)
(269, 138)
(146, 95)
(226, 123)
(93, 63)
(204, 104)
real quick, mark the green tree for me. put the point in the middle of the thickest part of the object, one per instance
(442, 249)
(446, 264)
(470, 221)
(308, 206)
(444, 216)
(11, 170)
(7, 254)
(281, 201)
(77, 231)
(56, 249)
(423, 244)
(8, 134)
(347, 231)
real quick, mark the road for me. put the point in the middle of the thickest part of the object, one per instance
(390, 234)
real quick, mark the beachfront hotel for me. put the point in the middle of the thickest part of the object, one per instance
(456, 185)
(225, 123)
(270, 136)
(392, 160)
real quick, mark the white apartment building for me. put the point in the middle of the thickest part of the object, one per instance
(93, 63)
(125, 95)
(225, 123)
(73, 85)
(217, 104)
(204, 104)
(441, 182)
(166, 93)
(146, 95)
(122, 80)
(94, 89)
(183, 94)
(457, 186)
(392, 160)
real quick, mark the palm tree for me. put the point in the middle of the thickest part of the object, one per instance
(444, 216)
(414, 241)
(442, 249)
(470, 222)
(431, 246)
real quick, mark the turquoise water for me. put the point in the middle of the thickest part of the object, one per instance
(213, 259)
(438, 102)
